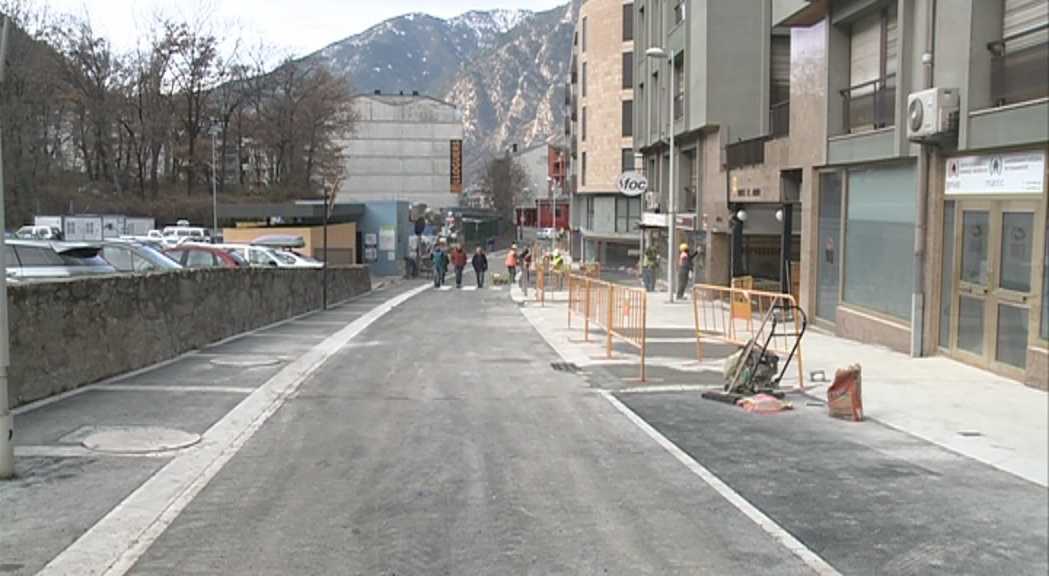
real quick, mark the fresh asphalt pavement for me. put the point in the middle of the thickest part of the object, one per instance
(439, 440)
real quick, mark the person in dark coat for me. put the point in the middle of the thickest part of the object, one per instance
(480, 264)
(440, 265)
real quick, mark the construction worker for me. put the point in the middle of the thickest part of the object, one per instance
(557, 264)
(684, 267)
(511, 262)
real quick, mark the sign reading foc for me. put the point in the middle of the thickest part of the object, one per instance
(631, 183)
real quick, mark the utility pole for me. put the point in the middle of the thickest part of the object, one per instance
(7, 420)
(213, 130)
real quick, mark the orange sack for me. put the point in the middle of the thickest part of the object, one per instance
(844, 398)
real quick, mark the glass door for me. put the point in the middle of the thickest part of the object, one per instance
(995, 257)
(1014, 279)
(970, 326)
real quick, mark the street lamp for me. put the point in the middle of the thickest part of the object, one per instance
(661, 54)
(7, 420)
(214, 130)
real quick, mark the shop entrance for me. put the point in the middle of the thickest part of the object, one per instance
(993, 282)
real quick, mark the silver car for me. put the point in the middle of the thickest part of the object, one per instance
(43, 259)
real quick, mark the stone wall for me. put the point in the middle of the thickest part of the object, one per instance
(68, 333)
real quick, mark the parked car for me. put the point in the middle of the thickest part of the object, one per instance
(127, 256)
(39, 233)
(44, 259)
(547, 234)
(284, 246)
(177, 235)
(257, 255)
(204, 256)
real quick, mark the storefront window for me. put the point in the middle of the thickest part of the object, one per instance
(828, 265)
(879, 239)
(1045, 286)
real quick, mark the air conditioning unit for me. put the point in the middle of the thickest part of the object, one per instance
(929, 112)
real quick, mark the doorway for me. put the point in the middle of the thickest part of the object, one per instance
(993, 284)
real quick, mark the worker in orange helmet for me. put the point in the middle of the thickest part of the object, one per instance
(684, 267)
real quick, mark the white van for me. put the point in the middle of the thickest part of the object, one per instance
(175, 235)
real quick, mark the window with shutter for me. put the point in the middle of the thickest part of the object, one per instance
(865, 52)
(1021, 16)
(891, 42)
(780, 73)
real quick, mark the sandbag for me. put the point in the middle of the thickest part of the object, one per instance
(844, 397)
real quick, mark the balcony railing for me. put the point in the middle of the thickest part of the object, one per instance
(746, 152)
(870, 105)
(779, 119)
(1020, 66)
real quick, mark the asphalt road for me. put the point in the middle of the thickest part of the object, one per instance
(440, 441)
(433, 436)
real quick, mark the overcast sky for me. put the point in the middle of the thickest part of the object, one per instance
(298, 26)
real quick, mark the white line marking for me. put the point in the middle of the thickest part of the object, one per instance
(194, 389)
(81, 452)
(469, 288)
(113, 545)
(810, 558)
(668, 388)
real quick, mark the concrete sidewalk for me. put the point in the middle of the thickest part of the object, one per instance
(966, 410)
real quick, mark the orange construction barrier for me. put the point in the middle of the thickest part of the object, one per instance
(621, 311)
(735, 315)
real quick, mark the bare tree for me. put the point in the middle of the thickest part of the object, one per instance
(504, 178)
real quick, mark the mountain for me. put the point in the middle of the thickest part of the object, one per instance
(505, 69)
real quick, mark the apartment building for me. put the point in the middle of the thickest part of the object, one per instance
(600, 126)
(715, 57)
(405, 147)
(896, 148)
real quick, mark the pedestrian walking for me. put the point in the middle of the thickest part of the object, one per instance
(650, 268)
(440, 265)
(684, 267)
(511, 262)
(458, 258)
(480, 264)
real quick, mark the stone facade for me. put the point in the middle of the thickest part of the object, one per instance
(69, 333)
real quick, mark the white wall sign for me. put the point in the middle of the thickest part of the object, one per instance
(1010, 173)
(631, 183)
(654, 220)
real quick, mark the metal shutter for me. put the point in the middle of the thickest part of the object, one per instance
(780, 73)
(1023, 15)
(865, 52)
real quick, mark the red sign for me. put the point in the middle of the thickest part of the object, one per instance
(685, 221)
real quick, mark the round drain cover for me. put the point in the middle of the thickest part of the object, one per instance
(140, 440)
(245, 361)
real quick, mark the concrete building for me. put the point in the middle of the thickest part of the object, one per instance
(718, 53)
(600, 128)
(406, 147)
(895, 147)
(542, 203)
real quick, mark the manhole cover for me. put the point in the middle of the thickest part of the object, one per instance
(245, 361)
(140, 440)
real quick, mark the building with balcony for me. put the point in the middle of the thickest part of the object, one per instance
(600, 130)
(720, 57)
(405, 147)
(925, 227)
